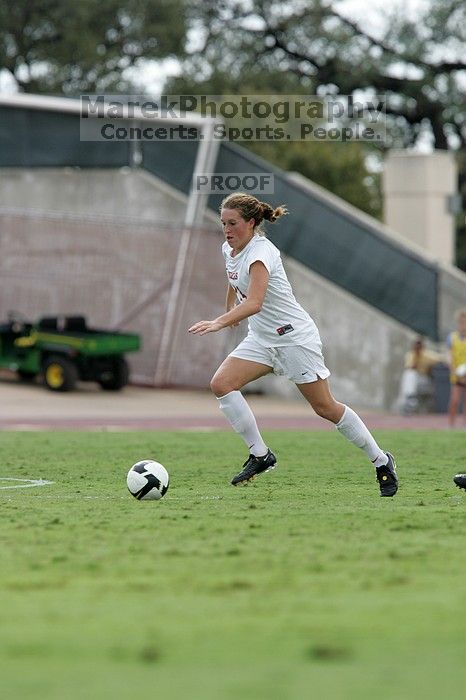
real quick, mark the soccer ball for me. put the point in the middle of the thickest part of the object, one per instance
(147, 480)
(461, 371)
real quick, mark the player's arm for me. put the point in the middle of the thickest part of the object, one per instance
(258, 281)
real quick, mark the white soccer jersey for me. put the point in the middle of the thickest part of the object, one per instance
(281, 321)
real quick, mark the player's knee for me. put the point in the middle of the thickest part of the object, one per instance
(220, 386)
(326, 409)
(321, 409)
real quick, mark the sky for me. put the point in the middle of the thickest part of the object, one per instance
(370, 12)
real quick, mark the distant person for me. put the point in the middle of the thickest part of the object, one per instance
(282, 338)
(456, 343)
(460, 481)
(416, 380)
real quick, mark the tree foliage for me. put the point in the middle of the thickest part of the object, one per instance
(64, 46)
(340, 168)
(418, 63)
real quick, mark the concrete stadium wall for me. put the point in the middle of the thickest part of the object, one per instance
(124, 192)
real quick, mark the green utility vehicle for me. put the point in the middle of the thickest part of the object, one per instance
(63, 350)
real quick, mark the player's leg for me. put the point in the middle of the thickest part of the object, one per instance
(231, 376)
(234, 373)
(305, 366)
(349, 424)
(345, 419)
(453, 405)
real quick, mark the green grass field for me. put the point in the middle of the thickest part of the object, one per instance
(305, 584)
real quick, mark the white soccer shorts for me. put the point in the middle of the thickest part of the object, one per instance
(301, 364)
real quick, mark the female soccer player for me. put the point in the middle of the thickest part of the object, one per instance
(456, 343)
(282, 338)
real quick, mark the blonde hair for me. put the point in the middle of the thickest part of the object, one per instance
(250, 207)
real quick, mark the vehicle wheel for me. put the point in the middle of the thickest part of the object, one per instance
(60, 374)
(117, 377)
(26, 376)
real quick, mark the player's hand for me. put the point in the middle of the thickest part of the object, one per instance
(203, 327)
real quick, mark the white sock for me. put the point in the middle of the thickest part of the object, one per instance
(237, 411)
(351, 426)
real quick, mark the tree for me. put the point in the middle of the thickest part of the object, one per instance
(417, 63)
(69, 47)
(340, 168)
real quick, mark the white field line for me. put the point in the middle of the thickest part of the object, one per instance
(80, 497)
(25, 483)
(30, 483)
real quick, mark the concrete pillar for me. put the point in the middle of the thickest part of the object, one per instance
(418, 190)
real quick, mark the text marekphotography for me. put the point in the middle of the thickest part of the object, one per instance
(266, 118)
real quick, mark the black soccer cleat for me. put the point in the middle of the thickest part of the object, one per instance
(387, 478)
(254, 466)
(460, 481)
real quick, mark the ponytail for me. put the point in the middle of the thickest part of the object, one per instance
(271, 214)
(252, 208)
